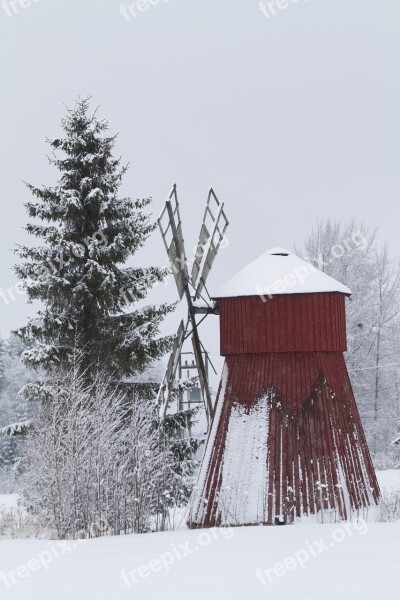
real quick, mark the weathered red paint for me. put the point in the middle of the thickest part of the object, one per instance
(288, 323)
(316, 446)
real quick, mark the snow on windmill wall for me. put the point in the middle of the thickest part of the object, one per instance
(288, 450)
(244, 470)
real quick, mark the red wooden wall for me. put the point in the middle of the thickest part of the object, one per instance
(286, 323)
(316, 453)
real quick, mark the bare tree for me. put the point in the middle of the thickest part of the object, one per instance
(351, 253)
(96, 463)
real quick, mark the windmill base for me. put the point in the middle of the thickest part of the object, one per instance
(286, 441)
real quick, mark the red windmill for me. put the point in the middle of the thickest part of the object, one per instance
(286, 439)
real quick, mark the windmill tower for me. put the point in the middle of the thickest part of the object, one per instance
(191, 287)
(286, 438)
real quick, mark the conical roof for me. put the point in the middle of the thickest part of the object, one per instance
(279, 271)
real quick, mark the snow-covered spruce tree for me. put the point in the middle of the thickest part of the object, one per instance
(184, 446)
(177, 427)
(88, 232)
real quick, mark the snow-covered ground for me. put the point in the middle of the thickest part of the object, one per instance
(354, 561)
(296, 562)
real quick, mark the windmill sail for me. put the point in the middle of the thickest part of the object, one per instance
(173, 240)
(205, 390)
(167, 385)
(212, 234)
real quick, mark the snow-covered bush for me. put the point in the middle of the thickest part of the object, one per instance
(388, 459)
(389, 507)
(6, 481)
(95, 458)
(17, 523)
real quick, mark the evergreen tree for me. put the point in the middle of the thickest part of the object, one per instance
(79, 272)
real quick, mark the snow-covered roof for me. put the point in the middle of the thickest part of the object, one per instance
(279, 271)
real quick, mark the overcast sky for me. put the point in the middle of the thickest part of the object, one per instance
(292, 116)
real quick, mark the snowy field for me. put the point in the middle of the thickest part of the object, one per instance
(305, 561)
(363, 565)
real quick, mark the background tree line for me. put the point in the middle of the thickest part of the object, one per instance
(353, 254)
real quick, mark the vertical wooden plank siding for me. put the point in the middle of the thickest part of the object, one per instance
(287, 354)
(300, 322)
(317, 456)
